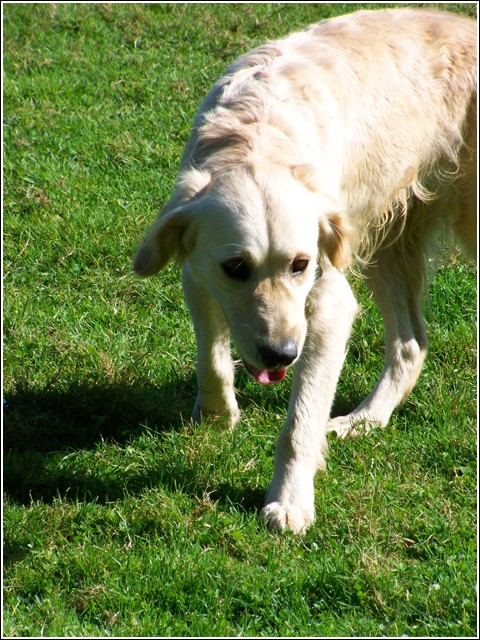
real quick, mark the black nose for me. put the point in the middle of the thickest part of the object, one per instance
(278, 355)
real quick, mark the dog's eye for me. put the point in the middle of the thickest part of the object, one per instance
(299, 265)
(236, 269)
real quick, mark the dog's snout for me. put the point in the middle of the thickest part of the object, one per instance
(278, 355)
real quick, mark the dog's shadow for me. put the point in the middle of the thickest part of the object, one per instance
(44, 426)
(51, 434)
(46, 429)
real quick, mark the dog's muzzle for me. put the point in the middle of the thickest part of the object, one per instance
(276, 359)
(276, 356)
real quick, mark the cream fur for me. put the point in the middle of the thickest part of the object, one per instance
(350, 142)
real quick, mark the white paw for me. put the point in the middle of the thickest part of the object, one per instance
(352, 425)
(279, 517)
(228, 418)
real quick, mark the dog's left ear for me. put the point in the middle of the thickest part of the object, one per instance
(335, 234)
(335, 239)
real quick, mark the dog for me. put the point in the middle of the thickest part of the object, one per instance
(349, 143)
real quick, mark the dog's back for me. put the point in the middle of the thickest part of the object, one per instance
(380, 105)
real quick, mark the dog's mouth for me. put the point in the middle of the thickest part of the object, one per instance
(266, 376)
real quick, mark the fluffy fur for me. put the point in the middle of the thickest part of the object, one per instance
(350, 142)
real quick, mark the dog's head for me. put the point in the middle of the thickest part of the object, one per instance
(255, 241)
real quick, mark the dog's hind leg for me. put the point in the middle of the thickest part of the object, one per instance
(396, 281)
(215, 372)
(302, 445)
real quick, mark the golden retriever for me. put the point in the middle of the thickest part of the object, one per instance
(350, 142)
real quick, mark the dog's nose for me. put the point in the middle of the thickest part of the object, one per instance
(278, 355)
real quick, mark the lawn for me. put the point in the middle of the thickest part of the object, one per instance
(121, 518)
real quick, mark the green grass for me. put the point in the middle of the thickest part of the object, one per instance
(120, 517)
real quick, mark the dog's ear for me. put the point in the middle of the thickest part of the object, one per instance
(167, 239)
(335, 232)
(171, 237)
(335, 239)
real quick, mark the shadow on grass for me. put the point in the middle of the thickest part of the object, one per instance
(51, 439)
(41, 423)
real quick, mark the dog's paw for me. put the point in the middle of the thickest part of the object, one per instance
(279, 517)
(228, 418)
(352, 426)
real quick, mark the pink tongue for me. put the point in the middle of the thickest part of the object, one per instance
(265, 376)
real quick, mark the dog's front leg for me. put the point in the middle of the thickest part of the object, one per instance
(302, 445)
(215, 372)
